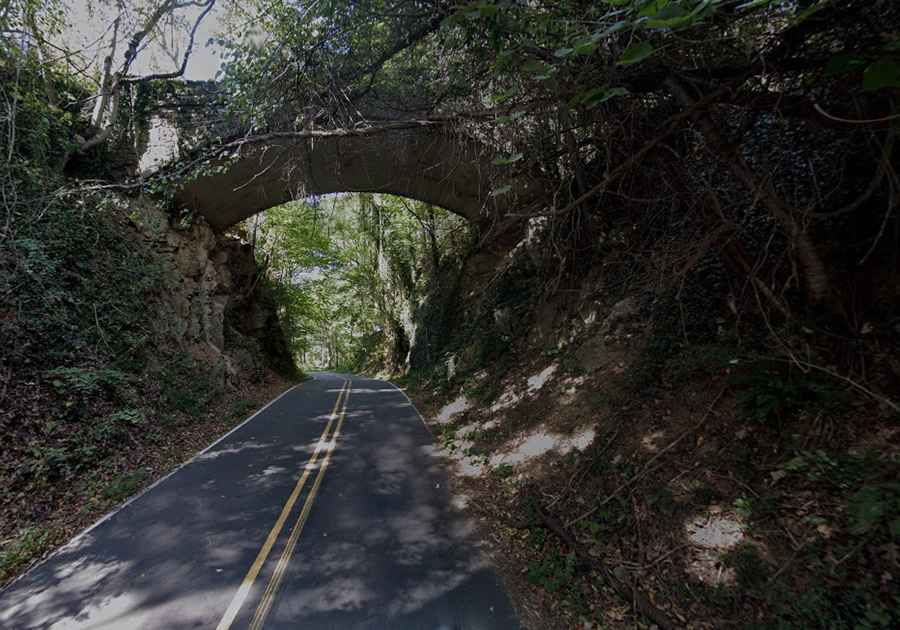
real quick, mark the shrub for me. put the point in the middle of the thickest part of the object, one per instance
(771, 396)
(85, 381)
(875, 508)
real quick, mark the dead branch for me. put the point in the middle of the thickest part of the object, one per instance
(649, 465)
(106, 84)
(862, 388)
(818, 282)
(673, 125)
(187, 53)
(735, 257)
(850, 121)
(111, 84)
(618, 578)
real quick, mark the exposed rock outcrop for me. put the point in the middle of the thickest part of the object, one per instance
(216, 307)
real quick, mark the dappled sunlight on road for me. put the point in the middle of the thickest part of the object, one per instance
(233, 450)
(178, 551)
(382, 545)
(385, 545)
(98, 592)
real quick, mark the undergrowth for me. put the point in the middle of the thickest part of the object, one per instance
(89, 381)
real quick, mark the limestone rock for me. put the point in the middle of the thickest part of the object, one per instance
(213, 308)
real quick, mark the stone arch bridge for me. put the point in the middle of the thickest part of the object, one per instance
(422, 160)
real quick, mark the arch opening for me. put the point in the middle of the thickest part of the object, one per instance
(353, 271)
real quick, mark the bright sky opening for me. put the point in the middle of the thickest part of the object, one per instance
(89, 30)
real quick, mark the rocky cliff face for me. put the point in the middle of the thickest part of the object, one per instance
(129, 344)
(216, 307)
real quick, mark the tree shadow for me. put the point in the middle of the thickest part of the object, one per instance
(382, 547)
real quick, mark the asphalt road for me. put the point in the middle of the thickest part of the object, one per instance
(324, 510)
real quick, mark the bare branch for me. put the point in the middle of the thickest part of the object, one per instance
(187, 53)
(104, 133)
(112, 82)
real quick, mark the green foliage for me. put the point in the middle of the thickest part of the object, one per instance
(448, 438)
(48, 463)
(884, 73)
(185, 387)
(517, 50)
(879, 69)
(636, 53)
(592, 528)
(29, 545)
(81, 289)
(774, 395)
(345, 270)
(107, 431)
(743, 507)
(85, 381)
(859, 500)
(557, 572)
(74, 285)
(537, 537)
(75, 282)
(840, 603)
(44, 131)
(841, 472)
(124, 485)
(875, 508)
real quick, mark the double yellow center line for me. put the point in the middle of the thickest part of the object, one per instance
(327, 446)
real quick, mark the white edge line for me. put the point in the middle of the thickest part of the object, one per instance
(75, 539)
(451, 469)
(413, 405)
(450, 478)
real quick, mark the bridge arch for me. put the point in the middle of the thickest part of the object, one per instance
(419, 160)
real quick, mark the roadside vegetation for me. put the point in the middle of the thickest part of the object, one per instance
(100, 393)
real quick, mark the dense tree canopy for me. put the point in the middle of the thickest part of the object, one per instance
(349, 270)
(583, 95)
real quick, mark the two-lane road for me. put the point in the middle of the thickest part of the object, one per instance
(327, 509)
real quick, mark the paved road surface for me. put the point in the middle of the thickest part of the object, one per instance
(325, 510)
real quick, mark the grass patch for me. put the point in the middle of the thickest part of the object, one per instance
(242, 409)
(124, 485)
(28, 546)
